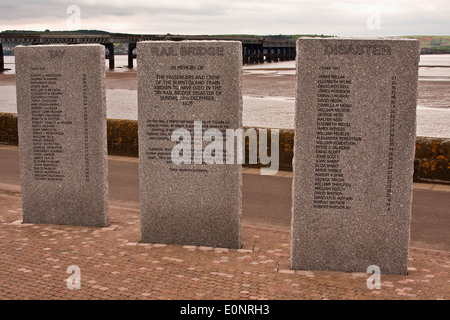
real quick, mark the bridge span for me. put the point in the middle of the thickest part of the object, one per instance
(254, 49)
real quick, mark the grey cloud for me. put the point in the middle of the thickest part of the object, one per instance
(259, 17)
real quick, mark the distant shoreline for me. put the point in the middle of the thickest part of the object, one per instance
(268, 93)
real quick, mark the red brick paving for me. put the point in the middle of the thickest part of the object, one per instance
(114, 265)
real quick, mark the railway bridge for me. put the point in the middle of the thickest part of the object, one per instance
(254, 49)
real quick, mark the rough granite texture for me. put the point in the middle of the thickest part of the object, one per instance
(188, 204)
(355, 112)
(62, 132)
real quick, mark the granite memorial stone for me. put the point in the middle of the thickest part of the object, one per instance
(354, 150)
(61, 113)
(189, 95)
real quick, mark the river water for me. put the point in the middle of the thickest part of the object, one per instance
(433, 115)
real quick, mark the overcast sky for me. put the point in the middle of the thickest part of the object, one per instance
(341, 18)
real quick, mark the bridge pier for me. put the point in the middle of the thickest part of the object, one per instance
(247, 53)
(260, 53)
(131, 56)
(272, 54)
(284, 54)
(291, 53)
(252, 54)
(256, 55)
(268, 54)
(110, 55)
(277, 54)
(2, 62)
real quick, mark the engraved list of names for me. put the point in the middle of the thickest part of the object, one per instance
(333, 138)
(47, 123)
(354, 153)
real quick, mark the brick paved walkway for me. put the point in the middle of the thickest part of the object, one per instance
(34, 261)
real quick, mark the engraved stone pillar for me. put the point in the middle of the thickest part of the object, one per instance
(354, 152)
(61, 114)
(193, 86)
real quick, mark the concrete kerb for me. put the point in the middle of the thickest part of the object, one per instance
(431, 164)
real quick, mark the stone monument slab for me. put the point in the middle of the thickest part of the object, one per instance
(61, 113)
(193, 86)
(354, 150)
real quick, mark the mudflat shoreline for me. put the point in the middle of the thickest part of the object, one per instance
(253, 84)
(431, 93)
(268, 95)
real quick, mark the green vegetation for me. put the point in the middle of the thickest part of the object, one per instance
(275, 37)
(48, 32)
(100, 32)
(433, 44)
